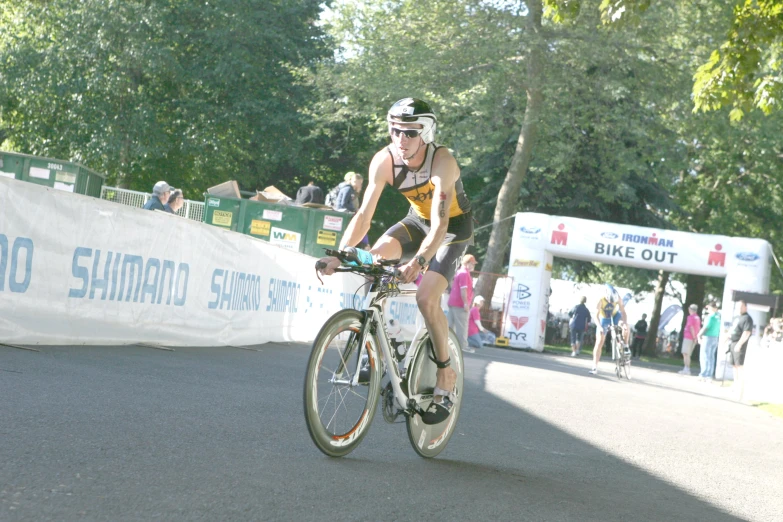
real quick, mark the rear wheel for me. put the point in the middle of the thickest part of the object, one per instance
(428, 440)
(342, 384)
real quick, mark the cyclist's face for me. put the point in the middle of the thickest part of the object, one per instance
(406, 135)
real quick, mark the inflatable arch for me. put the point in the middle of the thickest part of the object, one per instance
(538, 238)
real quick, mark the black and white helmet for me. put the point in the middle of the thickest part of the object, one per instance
(412, 110)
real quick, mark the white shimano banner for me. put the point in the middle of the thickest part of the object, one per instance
(79, 270)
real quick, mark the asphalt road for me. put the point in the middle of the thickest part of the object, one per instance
(216, 434)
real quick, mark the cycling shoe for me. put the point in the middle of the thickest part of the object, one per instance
(438, 411)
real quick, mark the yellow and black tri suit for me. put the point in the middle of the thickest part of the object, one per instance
(419, 190)
(609, 313)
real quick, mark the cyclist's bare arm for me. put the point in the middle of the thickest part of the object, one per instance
(380, 171)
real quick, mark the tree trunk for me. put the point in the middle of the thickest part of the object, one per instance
(508, 198)
(652, 331)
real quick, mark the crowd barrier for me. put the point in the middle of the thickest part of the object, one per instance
(79, 270)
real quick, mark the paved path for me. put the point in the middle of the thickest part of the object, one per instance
(136, 433)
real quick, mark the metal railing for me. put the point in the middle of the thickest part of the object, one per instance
(191, 209)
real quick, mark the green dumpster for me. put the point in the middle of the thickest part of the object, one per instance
(325, 230)
(296, 228)
(282, 225)
(11, 166)
(222, 212)
(54, 173)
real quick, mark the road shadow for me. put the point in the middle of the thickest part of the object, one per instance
(133, 433)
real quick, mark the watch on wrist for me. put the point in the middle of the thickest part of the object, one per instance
(421, 261)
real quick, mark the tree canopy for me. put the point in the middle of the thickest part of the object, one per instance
(742, 72)
(602, 93)
(193, 92)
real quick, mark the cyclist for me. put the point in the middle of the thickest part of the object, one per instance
(433, 236)
(610, 310)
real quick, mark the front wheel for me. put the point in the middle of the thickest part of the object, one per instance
(627, 366)
(342, 384)
(428, 440)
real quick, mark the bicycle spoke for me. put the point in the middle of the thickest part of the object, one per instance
(337, 410)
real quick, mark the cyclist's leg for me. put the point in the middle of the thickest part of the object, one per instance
(600, 336)
(387, 247)
(441, 271)
(401, 241)
(431, 288)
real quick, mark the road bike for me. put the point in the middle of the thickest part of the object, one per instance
(354, 363)
(621, 353)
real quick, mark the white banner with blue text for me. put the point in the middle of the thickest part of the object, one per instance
(80, 270)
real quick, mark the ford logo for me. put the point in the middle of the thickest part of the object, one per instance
(526, 230)
(747, 256)
(609, 235)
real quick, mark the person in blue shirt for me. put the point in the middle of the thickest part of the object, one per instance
(580, 318)
(160, 196)
(347, 198)
(610, 311)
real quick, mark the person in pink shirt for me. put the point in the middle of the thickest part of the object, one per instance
(478, 336)
(460, 298)
(689, 336)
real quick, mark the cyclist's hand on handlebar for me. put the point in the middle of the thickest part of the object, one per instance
(409, 272)
(326, 265)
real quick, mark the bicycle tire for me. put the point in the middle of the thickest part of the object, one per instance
(428, 440)
(618, 361)
(627, 366)
(335, 429)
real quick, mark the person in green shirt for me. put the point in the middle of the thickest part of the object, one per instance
(708, 338)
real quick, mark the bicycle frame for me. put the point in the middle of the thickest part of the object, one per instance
(617, 329)
(374, 315)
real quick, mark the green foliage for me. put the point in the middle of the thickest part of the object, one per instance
(745, 72)
(194, 93)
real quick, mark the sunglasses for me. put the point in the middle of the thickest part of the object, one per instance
(410, 133)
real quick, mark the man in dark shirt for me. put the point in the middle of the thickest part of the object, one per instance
(638, 339)
(310, 193)
(160, 196)
(741, 330)
(580, 318)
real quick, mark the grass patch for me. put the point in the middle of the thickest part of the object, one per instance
(774, 409)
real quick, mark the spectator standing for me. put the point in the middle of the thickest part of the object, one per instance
(638, 338)
(580, 318)
(709, 335)
(478, 336)
(460, 297)
(689, 336)
(160, 196)
(741, 330)
(672, 346)
(175, 202)
(310, 193)
(347, 198)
